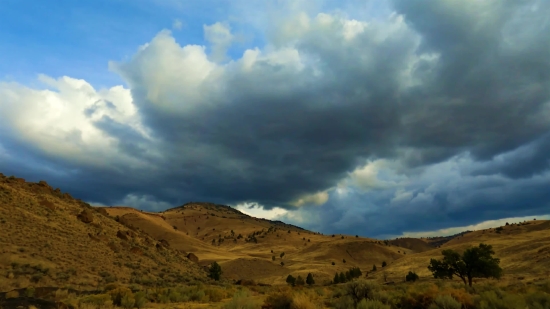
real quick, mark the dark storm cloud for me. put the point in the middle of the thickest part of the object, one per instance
(447, 78)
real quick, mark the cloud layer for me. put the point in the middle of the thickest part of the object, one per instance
(436, 115)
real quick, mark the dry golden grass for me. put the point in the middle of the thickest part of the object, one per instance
(43, 243)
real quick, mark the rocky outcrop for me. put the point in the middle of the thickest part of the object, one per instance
(191, 256)
(86, 216)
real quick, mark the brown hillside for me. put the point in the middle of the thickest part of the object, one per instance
(47, 238)
(524, 251)
(243, 244)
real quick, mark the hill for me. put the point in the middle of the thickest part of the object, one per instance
(48, 238)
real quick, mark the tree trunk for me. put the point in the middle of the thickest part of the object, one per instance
(463, 280)
(470, 281)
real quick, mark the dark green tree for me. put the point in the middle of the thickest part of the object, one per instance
(309, 279)
(348, 276)
(336, 279)
(475, 262)
(411, 276)
(373, 267)
(215, 271)
(291, 280)
(342, 278)
(384, 264)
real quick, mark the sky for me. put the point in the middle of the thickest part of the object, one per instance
(376, 118)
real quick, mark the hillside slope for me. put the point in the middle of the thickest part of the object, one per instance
(47, 238)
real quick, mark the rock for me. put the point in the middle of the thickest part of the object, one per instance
(164, 243)
(122, 235)
(191, 256)
(93, 237)
(102, 211)
(86, 216)
(47, 204)
(136, 250)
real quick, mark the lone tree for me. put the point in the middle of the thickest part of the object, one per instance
(476, 262)
(411, 276)
(384, 264)
(215, 271)
(282, 254)
(291, 280)
(309, 279)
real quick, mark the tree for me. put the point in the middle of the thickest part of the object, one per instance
(336, 279)
(373, 267)
(215, 271)
(273, 258)
(411, 276)
(309, 279)
(300, 281)
(291, 280)
(343, 260)
(342, 278)
(475, 262)
(384, 264)
(282, 254)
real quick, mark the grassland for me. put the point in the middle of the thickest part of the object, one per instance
(61, 250)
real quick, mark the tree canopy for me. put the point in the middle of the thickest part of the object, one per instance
(475, 262)
(215, 271)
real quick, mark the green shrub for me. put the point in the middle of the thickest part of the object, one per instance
(371, 304)
(499, 300)
(445, 301)
(29, 292)
(98, 300)
(127, 301)
(242, 300)
(140, 299)
(279, 300)
(538, 300)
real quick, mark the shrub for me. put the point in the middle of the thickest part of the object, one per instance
(12, 294)
(278, 300)
(361, 289)
(302, 301)
(29, 292)
(241, 300)
(118, 294)
(98, 300)
(445, 301)
(371, 304)
(384, 264)
(127, 301)
(139, 299)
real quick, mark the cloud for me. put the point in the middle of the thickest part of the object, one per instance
(417, 120)
(318, 198)
(177, 24)
(257, 211)
(220, 37)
